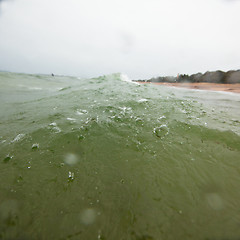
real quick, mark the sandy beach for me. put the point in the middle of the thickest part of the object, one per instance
(235, 88)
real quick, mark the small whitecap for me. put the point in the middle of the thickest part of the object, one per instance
(35, 146)
(18, 137)
(81, 112)
(138, 119)
(124, 109)
(71, 119)
(55, 128)
(71, 159)
(161, 118)
(88, 216)
(142, 100)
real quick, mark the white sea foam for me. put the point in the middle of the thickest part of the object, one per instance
(54, 127)
(18, 137)
(34, 88)
(71, 119)
(125, 78)
(142, 100)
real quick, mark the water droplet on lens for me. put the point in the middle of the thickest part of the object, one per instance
(88, 216)
(71, 159)
(8, 208)
(215, 201)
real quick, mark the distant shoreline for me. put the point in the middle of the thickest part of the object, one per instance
(216, 77)
(234, 88)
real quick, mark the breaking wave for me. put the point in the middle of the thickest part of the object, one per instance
(103, 158)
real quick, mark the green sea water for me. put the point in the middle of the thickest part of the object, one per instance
(105, 158)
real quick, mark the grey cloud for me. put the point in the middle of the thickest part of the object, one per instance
(230, 1)
(76, 38)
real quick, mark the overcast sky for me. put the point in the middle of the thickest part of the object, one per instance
(141, 38)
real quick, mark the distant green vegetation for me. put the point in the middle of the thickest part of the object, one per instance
(211, 77)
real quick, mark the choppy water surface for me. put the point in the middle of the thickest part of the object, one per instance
(109, 159)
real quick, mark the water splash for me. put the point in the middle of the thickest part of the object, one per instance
(35, 146)
(161, 131)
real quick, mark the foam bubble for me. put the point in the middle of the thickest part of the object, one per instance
(161, 131)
